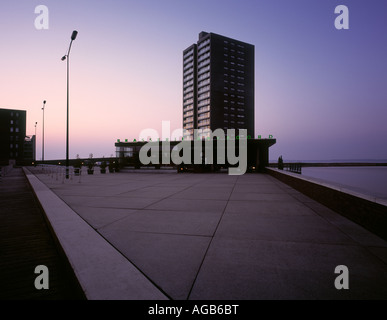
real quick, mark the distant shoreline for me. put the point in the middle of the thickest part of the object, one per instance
(334, 164)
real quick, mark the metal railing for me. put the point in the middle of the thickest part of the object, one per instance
(294, 167)
(58, 173)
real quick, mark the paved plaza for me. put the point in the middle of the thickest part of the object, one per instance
(206, 236)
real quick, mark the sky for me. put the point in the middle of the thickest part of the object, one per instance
(321, 92)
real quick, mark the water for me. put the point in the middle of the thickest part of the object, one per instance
(367, 180)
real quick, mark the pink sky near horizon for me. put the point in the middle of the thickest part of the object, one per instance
(319, 91)
(109, 99)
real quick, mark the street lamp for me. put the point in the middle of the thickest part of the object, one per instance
(67, 56)
(44, 104)
(36, 124)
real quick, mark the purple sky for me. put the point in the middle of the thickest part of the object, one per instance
(321, 92)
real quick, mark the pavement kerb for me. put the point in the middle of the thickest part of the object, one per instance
(102, 272)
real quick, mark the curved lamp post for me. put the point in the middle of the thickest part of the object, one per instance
(67, 56)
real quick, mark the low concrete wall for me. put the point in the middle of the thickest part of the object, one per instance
(367, 211)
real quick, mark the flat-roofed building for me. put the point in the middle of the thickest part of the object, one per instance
(12, 135)
(218, 85)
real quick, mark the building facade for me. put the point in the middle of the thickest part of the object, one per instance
(218, 85)
(12, 135)
(30, 149)
(128, 154)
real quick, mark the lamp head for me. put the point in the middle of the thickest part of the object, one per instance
(63, 58)
(44, 102)
(74, 35)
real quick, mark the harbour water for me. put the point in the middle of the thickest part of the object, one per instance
(367, 180)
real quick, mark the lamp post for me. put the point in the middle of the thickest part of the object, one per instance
(67, 56)
(36, 123)
(44, 104)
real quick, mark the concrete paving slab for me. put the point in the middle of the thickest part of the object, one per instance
(303, 198)
(269, 208)
(99, 217)
(171, 261)
(179, 180)
(250, 269)
(254, 179)
(157, 192)
(289, 190)
(256, 196)
(258, 188)
(189, 205)
(97, 191)
(205, 193)
(110, 202)
(174, 222)
(296, 228)
(219, 180)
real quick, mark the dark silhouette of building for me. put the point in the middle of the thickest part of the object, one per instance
(257, 154)
(12, 135)
(30, 149)
(218, 85)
